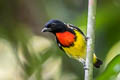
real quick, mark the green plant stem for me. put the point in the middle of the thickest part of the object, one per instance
(91, 39)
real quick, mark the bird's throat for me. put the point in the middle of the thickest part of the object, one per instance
(65, 38)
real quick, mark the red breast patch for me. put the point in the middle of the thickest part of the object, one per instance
(65, 38)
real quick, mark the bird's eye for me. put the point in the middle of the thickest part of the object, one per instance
(53, 24)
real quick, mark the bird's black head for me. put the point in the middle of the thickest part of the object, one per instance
(54, 26)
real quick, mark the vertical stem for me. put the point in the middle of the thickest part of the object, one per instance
(91, 39)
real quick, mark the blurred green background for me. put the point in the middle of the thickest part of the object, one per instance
(28, 54)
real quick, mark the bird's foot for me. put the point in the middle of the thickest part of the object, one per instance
(83, 62)
(85, 67)
(87, 38)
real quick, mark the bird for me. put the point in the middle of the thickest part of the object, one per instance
(71, 40)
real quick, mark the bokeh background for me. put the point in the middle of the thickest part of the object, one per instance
(28, 54)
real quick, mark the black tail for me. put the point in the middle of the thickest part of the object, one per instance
(98, 63)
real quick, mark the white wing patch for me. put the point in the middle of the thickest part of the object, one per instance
(70, 26)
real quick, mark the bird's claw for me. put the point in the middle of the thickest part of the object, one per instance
(87, 38)
(85, 68)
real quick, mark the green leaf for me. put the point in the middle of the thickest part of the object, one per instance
(112, 70)
(114, 51)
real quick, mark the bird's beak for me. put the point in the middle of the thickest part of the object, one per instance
(46, 30)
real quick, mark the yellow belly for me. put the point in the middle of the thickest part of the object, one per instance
(79, 49)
